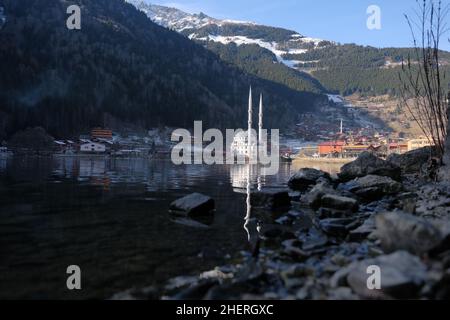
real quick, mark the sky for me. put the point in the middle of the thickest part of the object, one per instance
(343, 21)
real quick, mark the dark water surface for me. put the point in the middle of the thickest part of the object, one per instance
(110, 217)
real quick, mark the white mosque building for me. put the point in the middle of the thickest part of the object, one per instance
(245, 143)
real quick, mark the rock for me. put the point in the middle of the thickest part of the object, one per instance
(444, 244)
(325, 213)
(412, 161)
(295, 195)
(313, 239)
(434, 201)
(342, 293)
(366, 164)
(270, 231)
(339, 202)
(196, 291)
(302, 220)
(193, 204)
(337, 226)
(363, 231)
(305, 178)
(401, 231)
(293, 248)
(372, 187)
(294, 276)
(339, 278)
(407, 202)
(313, 198)
(271, 198)
(402, 275)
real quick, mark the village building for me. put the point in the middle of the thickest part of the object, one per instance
(331, 147)
(414, 144)
(92, 147)
(101, 134)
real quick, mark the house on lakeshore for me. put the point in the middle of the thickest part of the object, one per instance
(331, 147)
(414, 144)
(101, 134)
(92, 147)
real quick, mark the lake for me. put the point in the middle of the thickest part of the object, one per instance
(110, 217)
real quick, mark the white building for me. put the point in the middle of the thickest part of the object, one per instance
(245, 143)
(414, 144)
(93, 147)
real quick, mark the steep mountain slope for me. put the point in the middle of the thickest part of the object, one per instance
(275, 43)
(120, 67)
(344, 69)
(350, 68)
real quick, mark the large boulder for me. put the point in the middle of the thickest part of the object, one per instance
(402, 275)
(305, 178)
(401, 231)
(412, 161)
(271, 198)
(193, 204)
(339, 202)
(367, 163)
(313, 198)
(372, 187)
(338, 227)
(363, 231)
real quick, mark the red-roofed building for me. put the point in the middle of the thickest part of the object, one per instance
(331, 147)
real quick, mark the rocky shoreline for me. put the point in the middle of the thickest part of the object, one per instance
(391, 214)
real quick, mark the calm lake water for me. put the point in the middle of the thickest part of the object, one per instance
(110, 217)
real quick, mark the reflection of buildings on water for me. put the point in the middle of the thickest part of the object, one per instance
(243, 175)
(3, 164)
(92, 168)
(258, 178)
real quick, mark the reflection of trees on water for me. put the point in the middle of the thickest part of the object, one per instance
(156, 175)
(2, 164)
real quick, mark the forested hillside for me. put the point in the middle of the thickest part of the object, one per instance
(350, 68)
(120, 66)
(278, 54)
(263, 63)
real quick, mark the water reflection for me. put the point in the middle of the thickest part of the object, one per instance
(111, 217)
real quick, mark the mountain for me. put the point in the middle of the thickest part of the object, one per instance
(351, 68)
(121, 69)
(288, 57)
(231, 40)
(204, 28)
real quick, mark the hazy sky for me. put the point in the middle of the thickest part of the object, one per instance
(339, 20)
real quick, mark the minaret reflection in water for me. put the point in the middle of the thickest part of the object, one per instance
(251, 225)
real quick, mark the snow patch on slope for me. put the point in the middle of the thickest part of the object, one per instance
(271, 46)
(179, 20)
(335, 98)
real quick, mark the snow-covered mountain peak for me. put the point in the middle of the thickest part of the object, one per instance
(177, 19)
(281, 42)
